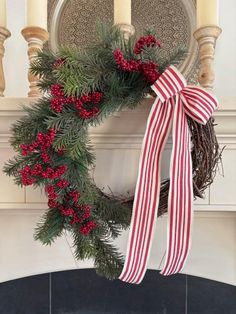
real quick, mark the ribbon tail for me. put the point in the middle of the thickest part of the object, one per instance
(180, 194)
(147, 193)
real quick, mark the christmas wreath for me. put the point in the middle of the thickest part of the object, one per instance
(81, 88)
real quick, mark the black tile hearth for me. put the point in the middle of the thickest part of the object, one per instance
(84, 292)
(210, 297)
(28, 295)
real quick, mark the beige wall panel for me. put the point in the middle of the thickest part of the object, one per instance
(9, 192)
(21, 255)
(223, 190)
(35, 195)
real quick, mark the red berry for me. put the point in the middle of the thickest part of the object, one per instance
(57, 91)
(52, 203)
(37, 170)
(62, 183)
(75, 195)
(45, 157)
(58, 63)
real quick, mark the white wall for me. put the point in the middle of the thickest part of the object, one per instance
(225, 59)
(16, 60)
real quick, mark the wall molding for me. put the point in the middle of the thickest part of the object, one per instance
(129, 141)
(207, 211)
(114, 132)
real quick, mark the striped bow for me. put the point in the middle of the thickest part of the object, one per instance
(174, 100)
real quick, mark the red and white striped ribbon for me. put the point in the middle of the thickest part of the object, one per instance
(174, 100)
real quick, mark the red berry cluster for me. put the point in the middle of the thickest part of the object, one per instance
(58, 100)
(149, 69)
(43, 169)
(146, 41)
(130, 66)
(86, 104)
(80, 214)
(42, 143)
(57, 91)
(87, 228)
(52, 196)
(31, 175)
(26, 176)
(71, 209)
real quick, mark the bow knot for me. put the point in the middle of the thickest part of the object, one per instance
(169, 84)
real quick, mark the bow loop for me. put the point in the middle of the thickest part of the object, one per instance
(170, 83)
(198, 103)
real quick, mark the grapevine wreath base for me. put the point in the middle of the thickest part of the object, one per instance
(82, 87)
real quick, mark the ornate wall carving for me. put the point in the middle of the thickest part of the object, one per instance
(72, 22)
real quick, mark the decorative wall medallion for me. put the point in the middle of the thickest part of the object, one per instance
(73, 22)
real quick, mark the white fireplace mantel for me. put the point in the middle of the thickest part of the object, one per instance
(117, 142)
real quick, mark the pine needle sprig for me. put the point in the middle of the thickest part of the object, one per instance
(50, 227)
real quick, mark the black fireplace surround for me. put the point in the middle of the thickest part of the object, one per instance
(82, 291)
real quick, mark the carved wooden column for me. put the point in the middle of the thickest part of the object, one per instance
(36, 37)
(206, 37)
(4, 34)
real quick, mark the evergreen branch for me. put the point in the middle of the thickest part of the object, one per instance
(50, 227)
(43, 64)
(83, 246)
(12, 166)
(112, 210)
(108, 261)
(175, 59)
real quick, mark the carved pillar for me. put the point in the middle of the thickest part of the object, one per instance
(206, 37)
(4, 34)
(36, 37)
